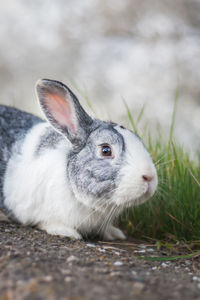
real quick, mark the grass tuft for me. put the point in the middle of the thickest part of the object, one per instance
(174, 211)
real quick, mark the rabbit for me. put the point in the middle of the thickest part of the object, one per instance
(71, 175)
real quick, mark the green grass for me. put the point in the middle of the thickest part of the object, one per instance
(174, 211)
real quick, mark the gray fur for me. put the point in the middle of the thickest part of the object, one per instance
(49, 140)
(14, 125)
(90, 174)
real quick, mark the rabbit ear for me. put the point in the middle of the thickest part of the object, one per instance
(63, 111)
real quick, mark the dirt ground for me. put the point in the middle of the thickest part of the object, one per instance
(34, 265)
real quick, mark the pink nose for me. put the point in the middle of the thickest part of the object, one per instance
(147, 178)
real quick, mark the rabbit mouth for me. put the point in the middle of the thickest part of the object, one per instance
(137, 201)
(131, 201)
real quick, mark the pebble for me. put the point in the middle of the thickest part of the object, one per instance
(116, 252)
(154, 268)
(65, 271)
(134, 273)
(147, 273)
(150, 250)
(164, 265)
(72, 258)
(140, 251)
(47, 278)
(112, 274)
(91, 245)
(195, 278)
(68, 279)
(118, 263)
(138, 287)
(102, 250)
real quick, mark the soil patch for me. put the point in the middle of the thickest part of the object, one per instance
(34, 265)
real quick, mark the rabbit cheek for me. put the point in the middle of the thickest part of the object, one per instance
(138, 176)
(92, 182)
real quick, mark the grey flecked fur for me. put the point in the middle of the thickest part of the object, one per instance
(49, 139)
(14, 124)
(91, 175)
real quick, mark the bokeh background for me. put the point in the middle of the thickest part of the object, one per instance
(141, 51)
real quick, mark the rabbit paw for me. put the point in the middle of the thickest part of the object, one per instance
(61, 231)
(113, 233)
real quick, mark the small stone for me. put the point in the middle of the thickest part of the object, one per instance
(90, 245)
(140, 251)
(195, 278)
(47, 278)
(134, 273)
(154, 268)
(101, 257)
(112, 274)
(118, 263)
(65, 271)
(102, 250)
(164, 265)
(72, 258)
(68, 279)
(150, 250)
(147, 273)
(138, 287)
(116, 252)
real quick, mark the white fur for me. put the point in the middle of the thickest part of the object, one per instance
(133, 189)
(37, 191)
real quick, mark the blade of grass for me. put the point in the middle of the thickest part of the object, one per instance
(84, 95)
(173, 116)
(190, 171)
(140, 114)
(130, 116)
(177, 257)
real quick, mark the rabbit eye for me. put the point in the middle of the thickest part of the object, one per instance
(106, 150)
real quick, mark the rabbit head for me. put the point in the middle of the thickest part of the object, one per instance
(107, 164)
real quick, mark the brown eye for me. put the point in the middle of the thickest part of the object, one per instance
(106, 150)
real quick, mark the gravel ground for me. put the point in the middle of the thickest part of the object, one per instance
(34, 265)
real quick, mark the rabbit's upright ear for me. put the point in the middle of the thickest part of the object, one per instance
(63, 111)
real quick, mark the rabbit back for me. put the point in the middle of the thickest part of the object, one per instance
(14, 124)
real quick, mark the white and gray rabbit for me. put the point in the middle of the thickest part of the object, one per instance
(72, 175)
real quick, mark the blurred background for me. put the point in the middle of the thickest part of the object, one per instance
(141, 51)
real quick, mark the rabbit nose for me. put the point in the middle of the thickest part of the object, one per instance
(147, 178)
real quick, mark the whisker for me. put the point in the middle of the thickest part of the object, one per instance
(110, 218)
(106, 219)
